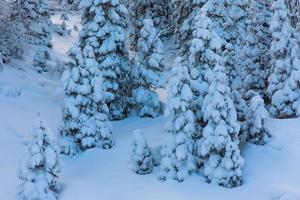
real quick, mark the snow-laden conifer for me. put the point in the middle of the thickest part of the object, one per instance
(36, 18)
(141, 155)
(232, 28)
(257, 68)
(157, 10)
(12, 38)
(294, 13)
(204, 52)
(40, 59)
(241, 109)
(149, 72)
(178, 160)
(39, 171)
(103, 30)
(85, 112)
(285, 63)
(257, 115)
(219, 143)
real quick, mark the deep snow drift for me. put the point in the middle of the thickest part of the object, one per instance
(270, 172)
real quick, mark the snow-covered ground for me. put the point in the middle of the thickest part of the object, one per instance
(271, 171)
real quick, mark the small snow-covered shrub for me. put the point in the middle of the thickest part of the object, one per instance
(257, 116)
(40, 59)
(64, 16)
(141, 156)
(39, 171)
(75, 27)
(148, 101)
(61, 29)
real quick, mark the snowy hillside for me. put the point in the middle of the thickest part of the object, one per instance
(150, 100)
(271, 171)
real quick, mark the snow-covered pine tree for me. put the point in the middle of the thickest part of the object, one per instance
(40, 60)
(141, 155)
(37, 22)
(285, 62)
(39, 171)
(12, 31)
(138, 10)
(294, 12)
(103, 28)
(85, 112)
(204, 49)
(232, 24)
(149, 75)
(219, 143)
(157, 10)
(259, 38)
(241, 110)
(257, 115)
(180, 10)
(178, 160)
(160, 15)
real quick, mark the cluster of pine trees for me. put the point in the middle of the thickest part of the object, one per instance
(234, 56)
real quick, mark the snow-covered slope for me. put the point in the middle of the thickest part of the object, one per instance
(270, 172)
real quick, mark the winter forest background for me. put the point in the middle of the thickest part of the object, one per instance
(149, 99)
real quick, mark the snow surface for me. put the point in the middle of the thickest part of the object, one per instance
(270, 171)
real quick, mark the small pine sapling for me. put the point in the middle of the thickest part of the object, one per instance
(141, 156)
(39, 171)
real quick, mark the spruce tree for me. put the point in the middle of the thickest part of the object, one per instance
(285, 63)
(40, 60)
(150, 70)
(180, 10)
(219, 144)
(204, 51)
(241, 109)
(258, 44)
(294, 13)
(138, 11)
(157, 10)
(233, 23)
(39, 171)
(104, 24)
(178, 160)
(85, 112)
(141, 156)
(37, 22)
(257, 115)
(12, 38)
